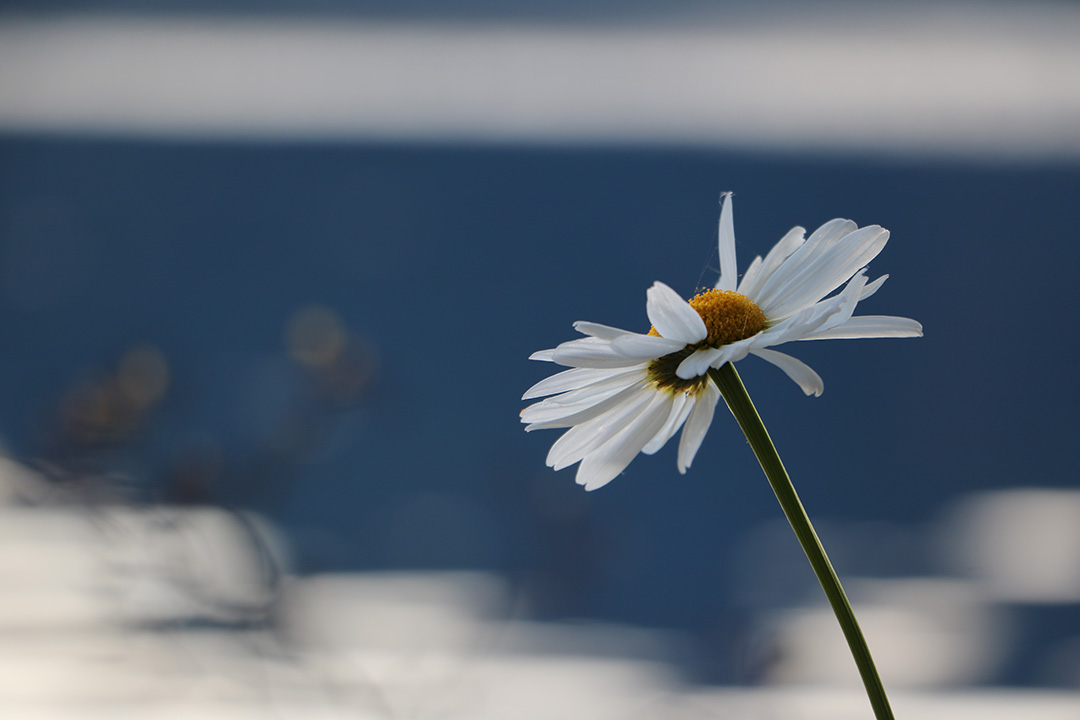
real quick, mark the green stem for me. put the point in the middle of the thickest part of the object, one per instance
(734, 392)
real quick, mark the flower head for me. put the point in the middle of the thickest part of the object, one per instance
(628, 392)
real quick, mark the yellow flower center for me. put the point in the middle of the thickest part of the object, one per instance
(728, 317)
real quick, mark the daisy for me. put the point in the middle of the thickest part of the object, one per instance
(628, 392)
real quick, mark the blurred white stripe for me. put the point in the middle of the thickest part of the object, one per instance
(157, 613)
(916, 83)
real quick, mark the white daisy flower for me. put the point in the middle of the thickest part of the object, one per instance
(628, 393)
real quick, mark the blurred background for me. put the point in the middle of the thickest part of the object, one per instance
(270, 273)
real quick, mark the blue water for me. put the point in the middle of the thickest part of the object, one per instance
(449, 265)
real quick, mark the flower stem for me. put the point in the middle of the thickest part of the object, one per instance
(737, 399)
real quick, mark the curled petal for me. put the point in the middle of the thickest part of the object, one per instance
(698, 363)
(672, 316)
(803, 375)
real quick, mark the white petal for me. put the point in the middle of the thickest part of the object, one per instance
(872, 287)
(681, 405)
(573, 400)
(831, 233)
(590, 352)
(736, 351)
(545, 355)
(545, 415)
(803, 375)
(596, 391)
(797, 325)
(645, 347)
(789, 267)
(697, 425)
(604, 464)
(729, 272)
(749, 278)
(792, 241)
(824, 273)
(820, 316)
(697, 364)
(848, 299)
(564, 451)
(604, 332)
(580, 440)
(571, 379)
(870, 326)
(672, 316)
